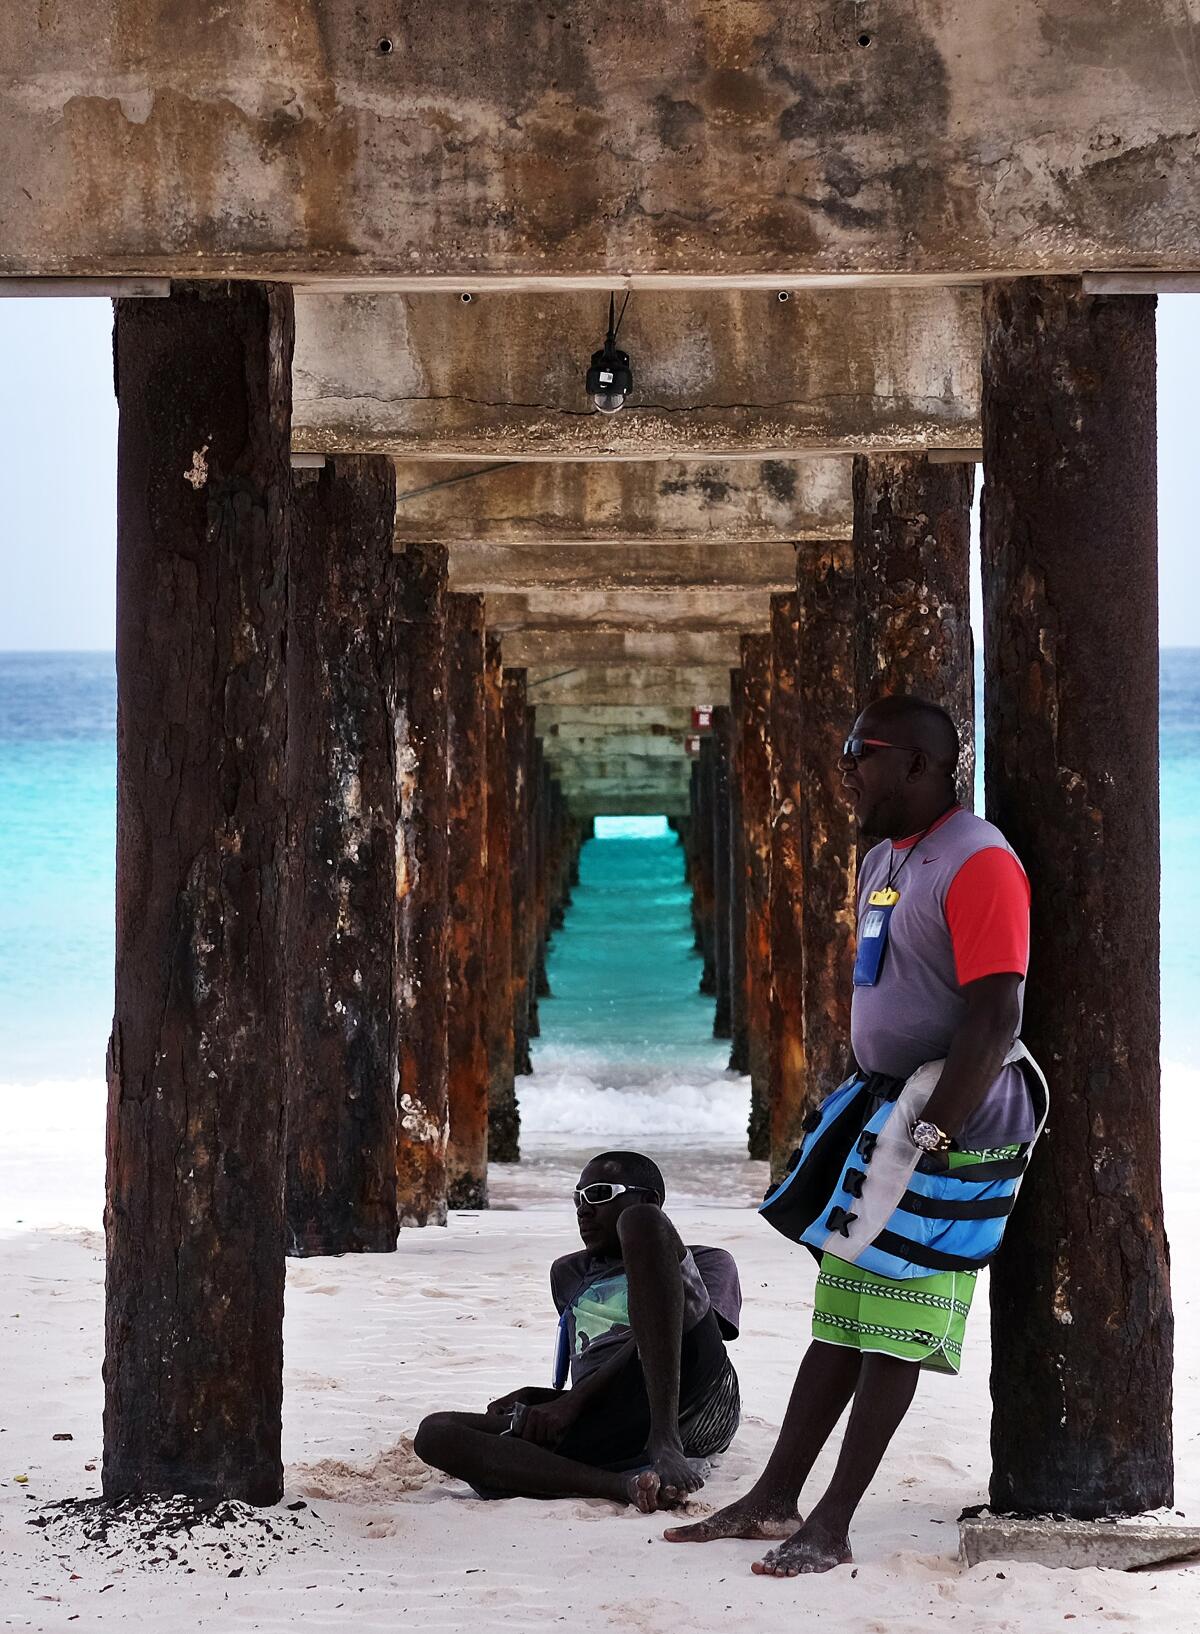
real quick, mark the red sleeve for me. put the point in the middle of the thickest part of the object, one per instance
(987, 910)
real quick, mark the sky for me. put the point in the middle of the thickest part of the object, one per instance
(58, 427)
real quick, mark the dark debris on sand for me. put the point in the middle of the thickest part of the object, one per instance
(177, 1533)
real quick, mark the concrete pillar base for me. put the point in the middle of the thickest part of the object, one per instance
(1122, 1546)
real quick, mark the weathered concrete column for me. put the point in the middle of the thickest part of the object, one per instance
(1081, 1304)
(504, 1123)
(912, 556)
(541, 844)
(681, 827)
(704, 882)
(340, 895)
(722, 874)
(739, 1021)
(691, 862)
(756, 822)
(516, 740)
(562, 838)
(421, 883)
(827, 704)
(193, 1364)
(586, 832)
(788, 1082)
(556, 878)
(813, 840)
(466, 959)
(537, 882)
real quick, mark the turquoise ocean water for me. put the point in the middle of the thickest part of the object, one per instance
(624, 978)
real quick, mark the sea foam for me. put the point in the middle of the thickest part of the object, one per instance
(52, 1132)
(585, 1092)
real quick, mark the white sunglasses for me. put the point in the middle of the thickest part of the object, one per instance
(601, 1191)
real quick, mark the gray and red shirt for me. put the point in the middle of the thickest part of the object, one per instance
(963, 914)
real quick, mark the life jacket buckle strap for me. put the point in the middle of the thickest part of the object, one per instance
(839, 1220)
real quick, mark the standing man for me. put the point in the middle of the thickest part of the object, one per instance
(943, 948)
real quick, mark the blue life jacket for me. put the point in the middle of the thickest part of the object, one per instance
(858, 1187)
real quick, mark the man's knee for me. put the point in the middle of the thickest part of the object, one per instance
(433, 1437)
(642, 1224)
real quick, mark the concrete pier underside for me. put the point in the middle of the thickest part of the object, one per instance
(812, 206)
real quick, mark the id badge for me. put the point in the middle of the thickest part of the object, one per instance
(873, 935)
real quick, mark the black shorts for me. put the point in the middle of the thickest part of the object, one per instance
(612, 1431)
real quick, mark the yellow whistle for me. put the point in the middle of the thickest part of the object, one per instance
(887, 898)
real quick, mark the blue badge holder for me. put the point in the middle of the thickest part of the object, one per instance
(873, 935)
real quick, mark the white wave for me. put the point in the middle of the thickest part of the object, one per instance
(1180, 1127)
(574, 1103)
(52, 1153)
(52, 1132)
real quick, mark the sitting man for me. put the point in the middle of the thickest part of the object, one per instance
(642, 1328)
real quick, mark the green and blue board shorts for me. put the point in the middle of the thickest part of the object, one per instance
(919, 1319)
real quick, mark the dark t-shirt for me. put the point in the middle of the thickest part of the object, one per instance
(592, 1296)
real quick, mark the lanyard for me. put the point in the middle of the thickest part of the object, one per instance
(873, 929)
(894, 872)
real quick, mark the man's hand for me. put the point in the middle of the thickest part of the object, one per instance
(529, 1395)
(545, 1423)
(976, 1052)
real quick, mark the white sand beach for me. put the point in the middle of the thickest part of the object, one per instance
(455, 1316)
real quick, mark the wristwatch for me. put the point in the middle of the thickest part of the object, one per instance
(929, 1137)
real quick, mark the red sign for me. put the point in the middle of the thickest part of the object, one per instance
(692, 743)
(702, 715)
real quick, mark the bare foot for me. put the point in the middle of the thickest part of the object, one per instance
(813, 1549)
(643, 1491)
(749, 1517)
(680, 1475)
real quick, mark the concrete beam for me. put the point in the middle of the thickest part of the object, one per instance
(567, 720)
(523, 648)
(722, 373)
(608, 802)
(778, 140)
(1142, 283)
(625, 770)
(628, 778)
(57, 289)
(658, 611)
(623, 764)
(765, 568)
(651, 685)
(628, 748)
(711, 502)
